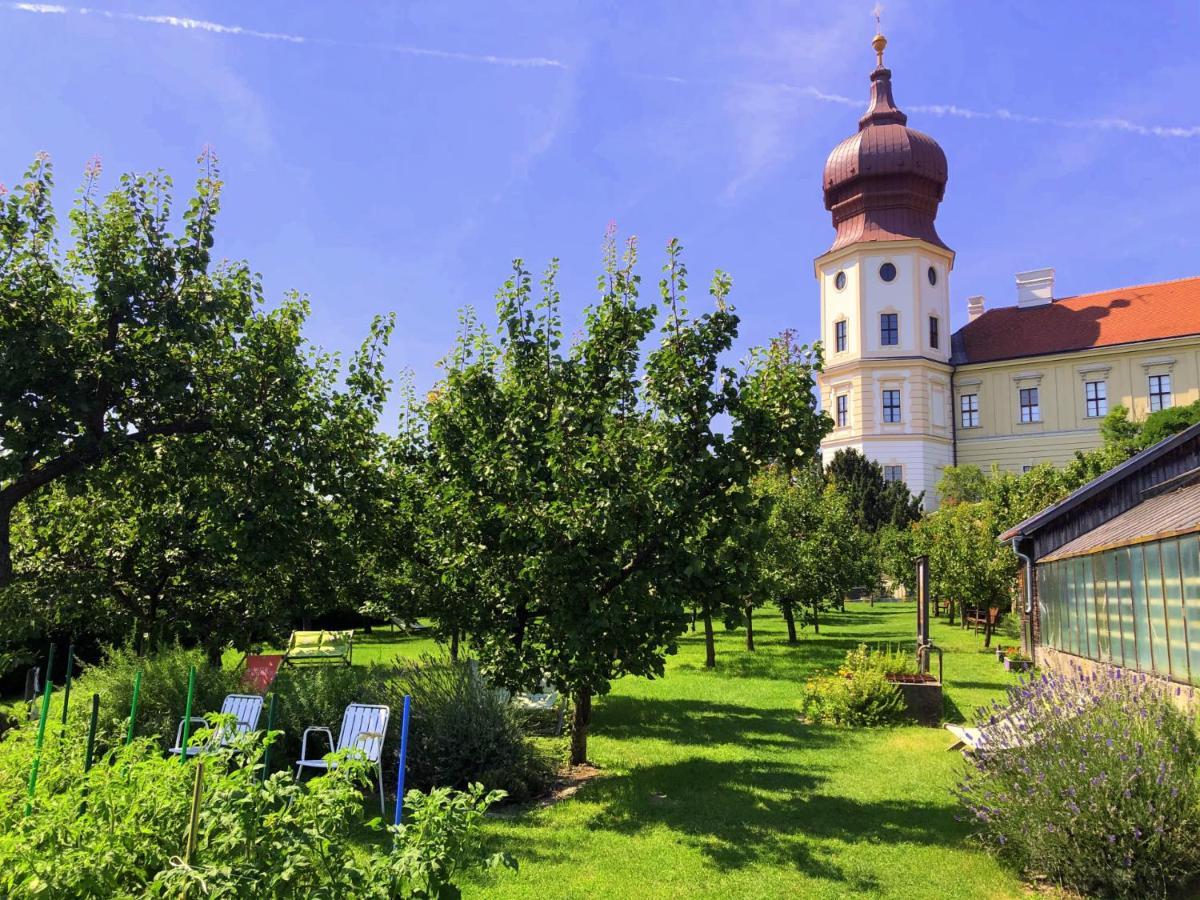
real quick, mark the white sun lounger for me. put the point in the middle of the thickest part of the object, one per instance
(364, 727)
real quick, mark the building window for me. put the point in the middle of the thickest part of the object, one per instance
(933, 332)
(889, 329)
(1096, 395)
(932, 273)
(839, 280)
(968, 405)
(843, 410)
(1160, 392)
(839, 336)
(893, 473)
(887, 272)
(1030, 410)
(1025, 469)
(891, 406)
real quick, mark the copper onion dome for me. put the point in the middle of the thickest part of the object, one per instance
(885, 182)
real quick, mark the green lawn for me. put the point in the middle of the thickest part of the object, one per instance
(713, 787)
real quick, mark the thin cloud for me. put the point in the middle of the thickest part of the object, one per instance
(188, 24)
(1111, 123)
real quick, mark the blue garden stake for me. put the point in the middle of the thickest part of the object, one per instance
(403, 758)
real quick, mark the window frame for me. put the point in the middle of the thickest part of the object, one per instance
(1153, 381)
(889, 325)
(897, 470)
(1029, 413)
(841, 405)
(840, 336)
(892, 409)
(934, 333)
(1095, 407)
(970, 409)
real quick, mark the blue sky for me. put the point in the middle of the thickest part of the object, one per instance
(384, 156)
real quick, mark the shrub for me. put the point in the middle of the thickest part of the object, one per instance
(120, 829)
(462, 731)
(1093, 783)
(860, 693)
(163, 695)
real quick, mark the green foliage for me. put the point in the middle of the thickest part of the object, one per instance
(962, 484)
(874, 500)
(462, 731)
(815, 551)
(565, 489)
(894, 552)
(176, 454)
(860, 693)
(966, 562)
(120, 829)
(162, 698)
(1099, 789)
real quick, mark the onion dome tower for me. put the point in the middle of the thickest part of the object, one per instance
(885, 311)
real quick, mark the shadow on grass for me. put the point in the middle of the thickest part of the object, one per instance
(700, 722)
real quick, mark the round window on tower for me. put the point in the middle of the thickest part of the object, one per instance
(887, 272)
(932, 273)
(839, 280)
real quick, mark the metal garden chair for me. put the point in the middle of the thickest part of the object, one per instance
(246, 710)
(364, 727)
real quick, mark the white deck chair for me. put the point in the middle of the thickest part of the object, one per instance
(363, 729)
(246, 710)
(543, 700)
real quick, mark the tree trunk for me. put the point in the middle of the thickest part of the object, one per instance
(749, 627)
(582, 718)
(789, 616)
(214, 652)
(950, 609)
(710, 647)
(816, 620)
(454, 645)
(5, 544)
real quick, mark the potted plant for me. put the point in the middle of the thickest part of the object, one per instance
(1016, 661)
(1001, 652)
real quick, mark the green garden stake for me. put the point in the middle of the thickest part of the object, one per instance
(91, 742)
(41, 736)
(137, 690)
(266, 763)
(67, 686)
(187, 715)
(194, 815)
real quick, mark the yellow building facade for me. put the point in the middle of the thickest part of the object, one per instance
(1019, 384)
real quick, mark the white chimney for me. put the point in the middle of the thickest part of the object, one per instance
(974, 308)
(1035, 288)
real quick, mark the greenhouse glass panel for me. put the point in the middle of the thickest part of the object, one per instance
(1160, 647)
(1189, 565)
(1086, 619)
(1089, 594)
(1141, 619)
(1103, 629)
(1125, 601)
(1050, 626)
(1173, 600)
(1043, 600)
(1066, 573)
(1113, 591)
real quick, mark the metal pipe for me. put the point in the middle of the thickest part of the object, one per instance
(1028, 596)
(41, 734)
(67, 686)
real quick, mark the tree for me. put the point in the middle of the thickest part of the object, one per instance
(176, 456)
(580, 477)
(874, 500)
(966, 562)
(962, 484)
(815, 552)
(895, 555)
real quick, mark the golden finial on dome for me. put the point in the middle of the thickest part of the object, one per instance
(879, 41)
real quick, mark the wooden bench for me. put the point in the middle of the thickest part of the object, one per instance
(988, 622)
(317, 647)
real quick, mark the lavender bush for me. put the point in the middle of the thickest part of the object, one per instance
(1090, 781)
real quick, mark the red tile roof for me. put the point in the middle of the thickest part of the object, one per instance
(1145, 312)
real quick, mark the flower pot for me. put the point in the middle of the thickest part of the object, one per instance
(922, 697)
(1018, 665)
(999, 655)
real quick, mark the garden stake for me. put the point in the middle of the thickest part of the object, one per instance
(137, 690)
(41, 736)
(67, 687)
(187, 716)
(194, 815)
(403, 759)
(266, 763)
(91, 742)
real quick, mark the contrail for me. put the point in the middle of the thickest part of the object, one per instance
(934, 109)
(523, 62)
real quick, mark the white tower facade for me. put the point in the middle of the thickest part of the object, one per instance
(885, 297)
